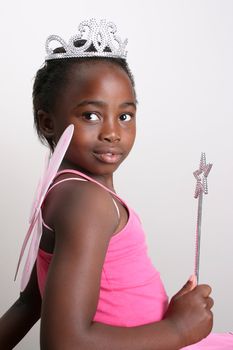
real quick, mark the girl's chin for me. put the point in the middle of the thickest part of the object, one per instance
(100, 164)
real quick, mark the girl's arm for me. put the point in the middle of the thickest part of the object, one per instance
(22, 315)
(84, 224)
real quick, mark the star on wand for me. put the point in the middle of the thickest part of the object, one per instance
(201, 187)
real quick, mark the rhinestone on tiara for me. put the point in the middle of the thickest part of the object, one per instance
(101, 35)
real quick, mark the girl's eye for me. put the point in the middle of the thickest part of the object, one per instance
(92, 117)
(125, 117)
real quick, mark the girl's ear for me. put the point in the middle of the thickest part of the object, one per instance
(46, 124)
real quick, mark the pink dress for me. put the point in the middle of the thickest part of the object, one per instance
(131, 291)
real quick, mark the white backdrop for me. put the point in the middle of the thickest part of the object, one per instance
(181, 53)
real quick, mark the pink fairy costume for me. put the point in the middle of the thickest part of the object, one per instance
(131, 291)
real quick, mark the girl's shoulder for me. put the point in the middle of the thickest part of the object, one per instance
(71, 193)
(72, 187)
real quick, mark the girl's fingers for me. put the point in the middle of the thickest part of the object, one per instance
(189, 285)
(205, 289)
(209, 303)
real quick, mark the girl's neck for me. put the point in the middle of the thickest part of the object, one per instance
(104, 179)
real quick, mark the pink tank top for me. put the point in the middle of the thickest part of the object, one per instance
(131, 291)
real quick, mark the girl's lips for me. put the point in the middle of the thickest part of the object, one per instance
(108, 157)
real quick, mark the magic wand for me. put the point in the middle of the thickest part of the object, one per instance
(201, 187)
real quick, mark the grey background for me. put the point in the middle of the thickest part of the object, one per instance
(181, 53)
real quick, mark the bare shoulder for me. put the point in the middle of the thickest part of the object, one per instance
(76, 202)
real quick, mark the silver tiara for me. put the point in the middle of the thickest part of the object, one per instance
(101, 35)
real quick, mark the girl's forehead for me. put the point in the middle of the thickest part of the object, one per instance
(107, 83)
(98, 76)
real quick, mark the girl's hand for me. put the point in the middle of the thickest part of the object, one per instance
(190, 312)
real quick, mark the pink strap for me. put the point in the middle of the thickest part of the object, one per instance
(63, 180)
(57, 183)
(71, 171)
(45, 225)
(78, 179)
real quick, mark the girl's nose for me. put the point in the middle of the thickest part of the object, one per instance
(110, 133)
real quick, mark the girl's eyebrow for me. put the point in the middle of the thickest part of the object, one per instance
(131, 104)
(102, 104)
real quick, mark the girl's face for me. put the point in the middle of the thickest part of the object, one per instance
(99, 100)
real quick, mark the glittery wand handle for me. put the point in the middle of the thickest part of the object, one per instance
(201, 187)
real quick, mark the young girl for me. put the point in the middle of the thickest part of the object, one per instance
(98, 287)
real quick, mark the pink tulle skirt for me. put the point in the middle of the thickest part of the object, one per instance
(215, 341)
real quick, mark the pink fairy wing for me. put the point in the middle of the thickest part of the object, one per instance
(39, 188)
(32, 252)
(35, 227)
